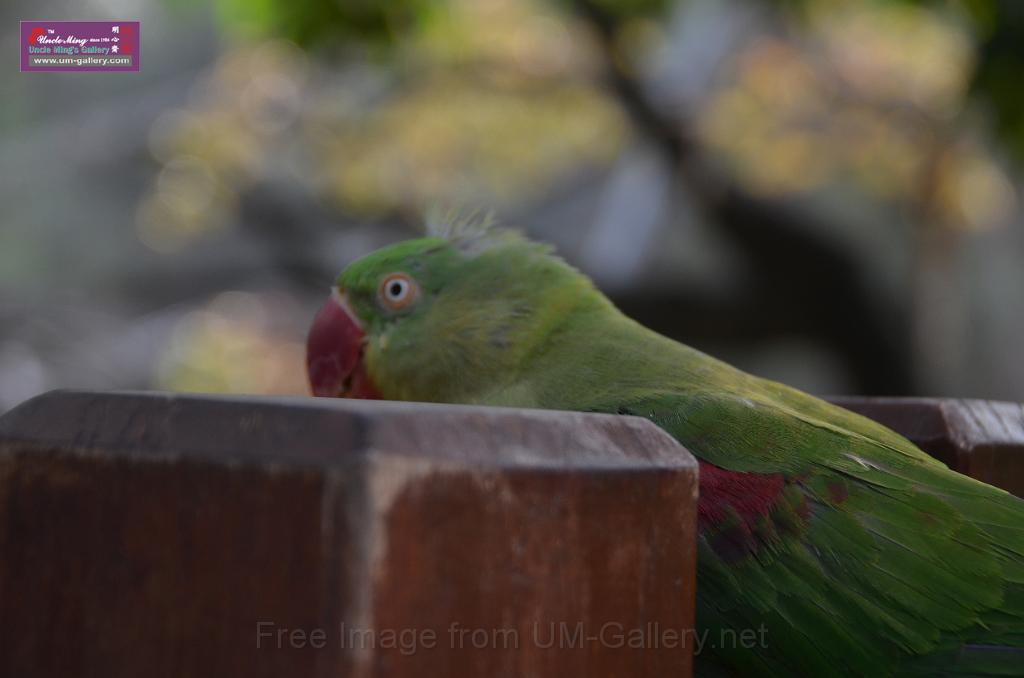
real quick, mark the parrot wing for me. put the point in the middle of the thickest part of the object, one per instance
(836, 546)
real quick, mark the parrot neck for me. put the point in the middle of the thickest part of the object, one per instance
(596, 356)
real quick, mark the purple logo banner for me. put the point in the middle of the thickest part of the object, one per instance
(79, 46)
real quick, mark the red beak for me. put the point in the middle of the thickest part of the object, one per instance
(334, 351)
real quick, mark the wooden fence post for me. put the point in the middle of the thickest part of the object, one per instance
(159, 535)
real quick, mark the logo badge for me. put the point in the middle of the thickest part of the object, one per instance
(69, 46)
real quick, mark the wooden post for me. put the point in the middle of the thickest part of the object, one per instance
(979, 438)
(159, 535)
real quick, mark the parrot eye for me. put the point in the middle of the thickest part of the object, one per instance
(398, 291)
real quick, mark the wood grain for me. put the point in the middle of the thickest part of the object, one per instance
(158, 535)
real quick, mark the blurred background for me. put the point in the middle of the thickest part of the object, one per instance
(825, 192)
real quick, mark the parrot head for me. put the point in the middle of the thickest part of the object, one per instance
(440, 318)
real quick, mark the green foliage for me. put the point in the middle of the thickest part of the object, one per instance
(998, 26)
(320, 23)
(1000, 71)
(623, 10)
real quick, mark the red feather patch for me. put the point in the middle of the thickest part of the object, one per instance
(731, 505)
(724, 493)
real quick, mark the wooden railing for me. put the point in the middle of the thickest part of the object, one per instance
(154, 535)
(166, 535)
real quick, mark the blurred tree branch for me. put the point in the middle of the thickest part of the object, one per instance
(803, 281)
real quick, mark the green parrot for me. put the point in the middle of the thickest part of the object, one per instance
(856, 551)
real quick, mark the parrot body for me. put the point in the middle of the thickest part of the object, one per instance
(851, 550)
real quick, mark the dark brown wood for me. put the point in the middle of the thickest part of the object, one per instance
(157, 535)
(979, 438)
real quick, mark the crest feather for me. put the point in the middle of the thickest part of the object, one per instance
(473, 230)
